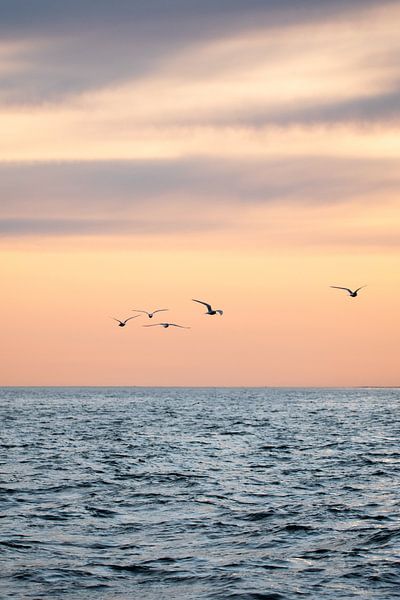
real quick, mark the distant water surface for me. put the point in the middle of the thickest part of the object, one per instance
(120, 493)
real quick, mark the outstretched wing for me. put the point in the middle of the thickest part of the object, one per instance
(204, 303)
(129, 318)
(159, 310)
(341, 288)
(114, 319)
(153, 325)
(143, 311)
(181, 326)
(360, 288)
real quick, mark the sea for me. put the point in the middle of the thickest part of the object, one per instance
(199, 493)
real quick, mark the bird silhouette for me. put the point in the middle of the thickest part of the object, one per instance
(150, 314)
(165, 325)
(123, 323)
(210, 310)
(351, 293)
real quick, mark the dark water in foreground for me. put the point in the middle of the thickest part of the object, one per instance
(118, 493)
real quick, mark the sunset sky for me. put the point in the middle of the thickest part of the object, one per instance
(244, 152)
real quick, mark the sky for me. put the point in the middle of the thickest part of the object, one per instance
(243, 152)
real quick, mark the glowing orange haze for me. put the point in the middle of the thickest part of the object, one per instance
(282, 325)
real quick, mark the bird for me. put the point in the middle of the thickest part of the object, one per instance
(123, 323)
(351, 293)
(210, 310)
(165, 325)
(150, 314)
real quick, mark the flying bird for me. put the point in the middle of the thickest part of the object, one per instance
(210, 310)
(123, 323)
(150, 314)
(165, 325)
(351, 293)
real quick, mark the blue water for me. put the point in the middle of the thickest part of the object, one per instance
(120, 493)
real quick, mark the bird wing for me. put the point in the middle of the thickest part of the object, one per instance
(181, 326)
(337, 287)
(129, 318)
(143, 311)
(153, 325)
(114, 319)
(159, 310)
(360, 288)
(205, 303)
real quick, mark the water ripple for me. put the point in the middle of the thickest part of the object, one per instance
(199, 493)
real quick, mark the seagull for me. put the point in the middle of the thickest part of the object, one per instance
(165, 325)
(210, 310)
(351, 293)
(123, 323)
(150, 314)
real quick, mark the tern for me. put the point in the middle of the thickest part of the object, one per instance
(123, 323)
(351, 293)
(150, 314)
(166, 325)
(210, 310)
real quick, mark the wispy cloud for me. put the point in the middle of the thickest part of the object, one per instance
(118, 186)
(382, 108)
(294, 82)
(183, 116)
(75, 227)
(81, 46)
(189, 196)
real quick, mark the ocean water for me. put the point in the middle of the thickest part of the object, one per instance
(120, 493)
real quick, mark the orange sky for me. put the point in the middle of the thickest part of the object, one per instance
(252, 165)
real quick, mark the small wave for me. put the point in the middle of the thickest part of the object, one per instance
(273, 566)
(390, 574)
(256, 596)
(367, 517)
(284, 447)
(51, 517)
(132, 568)
(317, 554)
(259, 515)
(100, 512)
(383, 537)
(138, 569)
(296, 527)
(51, 575)
(17, 545)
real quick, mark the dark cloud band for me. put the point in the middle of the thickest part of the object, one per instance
(120, 184)
(76, 46)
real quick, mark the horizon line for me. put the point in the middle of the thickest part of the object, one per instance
(326, 387)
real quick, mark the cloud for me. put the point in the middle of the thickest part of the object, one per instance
(42, 227)
(120, 184)
(180, 195)
(49, 16)
(347, 205)
(159, 117)
(382, 108)
(75, 46)
(256, 90)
